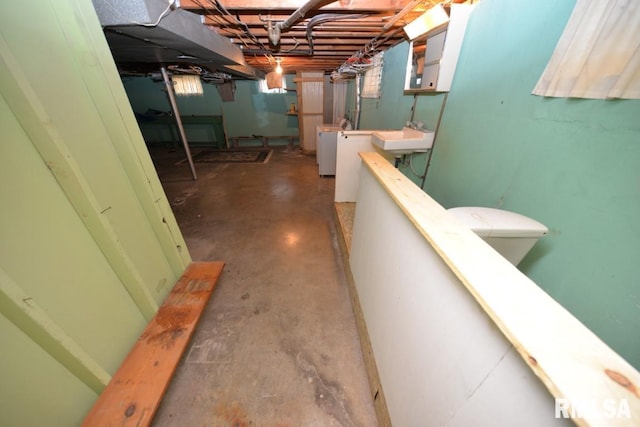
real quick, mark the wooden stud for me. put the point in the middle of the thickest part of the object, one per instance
(54, 152)
(25, 313)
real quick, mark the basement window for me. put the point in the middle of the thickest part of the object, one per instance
(187, 85)
(373, 78)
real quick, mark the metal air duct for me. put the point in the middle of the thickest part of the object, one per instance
(158, 32)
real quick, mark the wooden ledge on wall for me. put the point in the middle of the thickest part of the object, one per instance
(576, 366)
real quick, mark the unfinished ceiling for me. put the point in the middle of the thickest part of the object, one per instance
(245, 38)
(317, 35)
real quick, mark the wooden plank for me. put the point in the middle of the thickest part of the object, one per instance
(571, 361)
(344, 228)
(345, 212)
(135, 391)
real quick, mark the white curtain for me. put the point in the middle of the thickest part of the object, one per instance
(598, 55)
(339, 100)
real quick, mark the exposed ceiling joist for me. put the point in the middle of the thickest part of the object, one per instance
(291, 5)
(323, 38)
(311, 34)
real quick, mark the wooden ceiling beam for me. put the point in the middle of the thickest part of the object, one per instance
(300, 51)
(284, 49)
(290, 41)
(261, 19)
(292, 5)
(344, 33)
(255, 22)
(290, 62)
(333, 41)
(327, 53)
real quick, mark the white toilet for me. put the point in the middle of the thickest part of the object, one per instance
(511, 234)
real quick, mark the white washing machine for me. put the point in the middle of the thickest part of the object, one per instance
(326, 143)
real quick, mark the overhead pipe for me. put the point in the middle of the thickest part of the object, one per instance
(323, 18)
(300, 13)
(176, 114)
(274, 30)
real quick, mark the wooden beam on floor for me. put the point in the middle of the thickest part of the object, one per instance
(344, 213)
(135, 391)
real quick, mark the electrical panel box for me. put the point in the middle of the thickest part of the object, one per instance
(433, 57)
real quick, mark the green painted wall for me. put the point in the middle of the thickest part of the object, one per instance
(251, 113)
(36, 390)
(569, 163)
(258, 113)
(89, 246)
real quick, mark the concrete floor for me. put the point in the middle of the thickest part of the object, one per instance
(277, 345)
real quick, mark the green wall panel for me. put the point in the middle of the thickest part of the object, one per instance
(47, 250)
(255, 112)
(36, 390)
(569, 163)
(252, 112)
(144, 93)
(88, 244)
(148, 96)
(87, 136)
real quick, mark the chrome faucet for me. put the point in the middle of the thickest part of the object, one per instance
(416, 125)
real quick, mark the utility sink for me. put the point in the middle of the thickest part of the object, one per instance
(402, 141)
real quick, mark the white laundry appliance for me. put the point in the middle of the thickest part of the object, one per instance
(326, 142)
